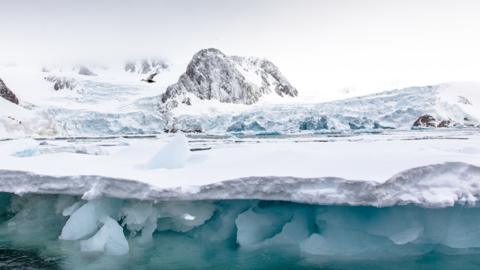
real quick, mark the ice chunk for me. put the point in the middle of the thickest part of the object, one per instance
(222, 225)
(258, 224)
(71, 209)
(30, 152)
(109, 239)
(140, 216)
(136, 214)
(344, 242)
(401, 225)
(183, 216)
(173, 155)
(406, 236)
(294, 231)
(85, 221)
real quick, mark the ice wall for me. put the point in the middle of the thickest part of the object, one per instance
(124, 233)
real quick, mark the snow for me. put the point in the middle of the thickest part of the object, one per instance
(435, 168)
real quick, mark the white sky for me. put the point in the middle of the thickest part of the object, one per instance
(321, 46)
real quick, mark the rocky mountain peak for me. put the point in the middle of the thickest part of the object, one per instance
(212, 75)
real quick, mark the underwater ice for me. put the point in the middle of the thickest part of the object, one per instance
(109, 239)
(167, 231)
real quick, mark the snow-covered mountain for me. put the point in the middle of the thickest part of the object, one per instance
(217, 94)
(229, 79)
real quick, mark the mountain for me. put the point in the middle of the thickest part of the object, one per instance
(212, 75)
(217, 94)
(7, 94)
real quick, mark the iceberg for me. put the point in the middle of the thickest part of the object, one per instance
(109, 239)
(173, 155)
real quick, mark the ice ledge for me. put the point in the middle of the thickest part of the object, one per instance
(437, 185)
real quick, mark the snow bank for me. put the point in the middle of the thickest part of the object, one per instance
(438, 185)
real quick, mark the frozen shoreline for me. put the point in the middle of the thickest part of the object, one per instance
(439, 185)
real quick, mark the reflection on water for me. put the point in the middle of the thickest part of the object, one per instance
(11, 259)
(22, 259)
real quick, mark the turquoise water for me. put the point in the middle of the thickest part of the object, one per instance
(250, 235)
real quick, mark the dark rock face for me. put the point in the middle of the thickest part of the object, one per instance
(230, 79)
(425, 121)
(83, 70)
(145, 66)
(7, 94)
(445, 124)
(60, 83)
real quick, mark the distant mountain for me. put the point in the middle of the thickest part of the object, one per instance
(212, 75)
(145, 66)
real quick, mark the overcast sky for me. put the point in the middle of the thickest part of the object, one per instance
(322, 47)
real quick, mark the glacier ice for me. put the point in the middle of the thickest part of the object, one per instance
(86, 219)
(173, 155)
(258, 224)
(109, 239)
(183, 216)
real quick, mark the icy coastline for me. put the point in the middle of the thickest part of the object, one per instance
(439, 185)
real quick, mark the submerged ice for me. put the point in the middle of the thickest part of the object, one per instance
(89, 234)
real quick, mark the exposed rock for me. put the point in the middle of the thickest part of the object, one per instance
(464, 100)
(145, 66)
(230, 79)
(7, 94)
(445, 124)
(425, 121)
(83, 70)
(60, 83)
